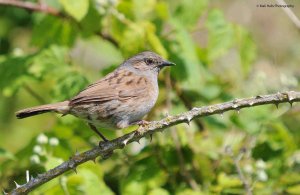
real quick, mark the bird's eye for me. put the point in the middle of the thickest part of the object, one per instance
(149, 61)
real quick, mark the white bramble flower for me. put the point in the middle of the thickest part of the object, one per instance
(260, 164)
(42, 139)
(37, 149)
(35, 159)
(53, 141)
(262, 176)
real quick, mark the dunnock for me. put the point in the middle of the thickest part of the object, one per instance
(118, 100)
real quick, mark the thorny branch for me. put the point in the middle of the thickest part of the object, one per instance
(105, 149)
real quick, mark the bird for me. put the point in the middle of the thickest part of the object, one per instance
(118, 100)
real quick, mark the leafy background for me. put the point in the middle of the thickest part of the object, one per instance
(223, 50)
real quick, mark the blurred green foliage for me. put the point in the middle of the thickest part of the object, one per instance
(46, 58)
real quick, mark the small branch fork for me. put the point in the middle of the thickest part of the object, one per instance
(105, 149)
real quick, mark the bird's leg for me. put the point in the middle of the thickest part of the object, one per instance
(98, 132)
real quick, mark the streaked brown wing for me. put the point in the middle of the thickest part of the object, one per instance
(119, 85)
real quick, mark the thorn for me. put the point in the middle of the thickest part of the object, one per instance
(31, 177)
(251, 103)
(27, 176)
(94, 160)
(291, 103)
(258, 96)
(75, 170)
(290, 95)
(125, 142)
(72, 165)
(76, 152)
(5, 193)
(235, 101)
(138, 141)
(195, 109)
(150, 137)
(167, 114)
(276, 104)
(17, 185)
(238, 111)
(188, 120)
(165, 123)
(222, 115)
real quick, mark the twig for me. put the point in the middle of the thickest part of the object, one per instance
(290, 13)
(34, 94)
(44, 8)
(105, 150)
(31, 6)
(242, 177)
(186, 102)
(174, 133)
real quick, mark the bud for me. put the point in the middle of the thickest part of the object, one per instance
(37, 149)
(53, 141)
(42, 139)
(35, 159)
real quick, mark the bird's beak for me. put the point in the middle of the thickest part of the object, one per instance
(167, 63)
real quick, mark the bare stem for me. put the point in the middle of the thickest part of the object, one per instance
(39, 98)
(44, 8)
(290, 13)
(242, 177)
(105, 150)
(31, 6)
(174, 134)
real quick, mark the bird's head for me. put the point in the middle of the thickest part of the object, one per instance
(147, 61)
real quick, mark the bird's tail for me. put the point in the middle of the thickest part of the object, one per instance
(60, 107)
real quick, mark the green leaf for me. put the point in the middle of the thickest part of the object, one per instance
(142, 9)
(140, 178)
(247, 48)
(14, 73)
(158, 191)
(154, 41)
(189, 192)
(68, 86)
(92, 184)
(189, 11)
(190, 70)
(6, 154)
(294, 189)
(91, 23)
(62, 32)
(77, 9)
(228, 181)
(47, 61)
(133, 39)
(221, 35)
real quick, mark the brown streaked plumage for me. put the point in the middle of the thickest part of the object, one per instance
(121, 98)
